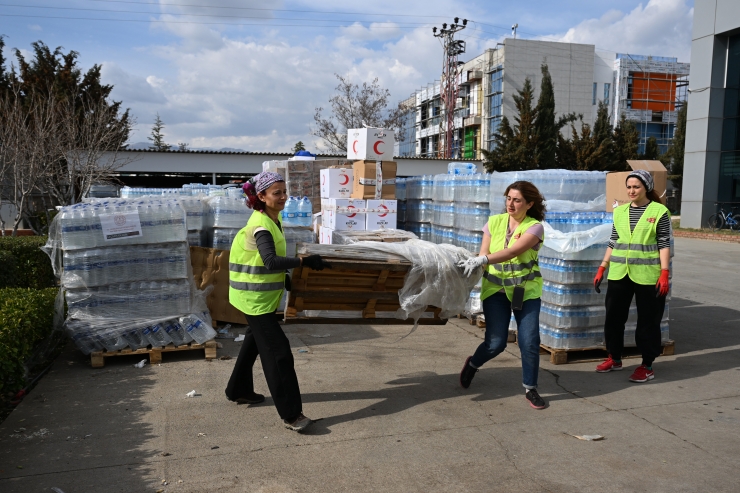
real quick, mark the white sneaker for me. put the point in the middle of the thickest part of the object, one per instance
(300, 424)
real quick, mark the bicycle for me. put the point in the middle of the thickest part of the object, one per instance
(722, 219)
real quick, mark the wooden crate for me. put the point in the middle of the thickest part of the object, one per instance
(596, 353)
(97, 358)
(363, 286)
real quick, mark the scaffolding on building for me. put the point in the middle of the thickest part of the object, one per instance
(650, 92)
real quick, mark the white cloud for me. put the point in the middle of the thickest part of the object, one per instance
(155, 81)
(375, 31)
(135, 92)
(660, 28)
(35, 27)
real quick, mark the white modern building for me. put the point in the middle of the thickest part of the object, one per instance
(582, 77)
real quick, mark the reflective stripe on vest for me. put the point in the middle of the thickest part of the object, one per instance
(522, 269)
(636, 253)
(254, 289)
(252, 269)
(256, 286)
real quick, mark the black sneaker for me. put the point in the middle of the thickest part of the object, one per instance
(535, 400)
(252, 399)
(467, 373)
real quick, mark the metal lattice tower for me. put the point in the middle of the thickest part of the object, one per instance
(449, 84)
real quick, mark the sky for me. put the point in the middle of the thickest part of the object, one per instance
(249, 74)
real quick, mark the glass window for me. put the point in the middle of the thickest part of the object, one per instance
(594, 95)
(607, 92)
(497, 80)
(495, 102)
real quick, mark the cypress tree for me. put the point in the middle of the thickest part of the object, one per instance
(673, 158)
(157, 136)
(652, 151)
(545, 128)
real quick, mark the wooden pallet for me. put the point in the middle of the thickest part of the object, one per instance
(97, 358)
(365, 287)
(596, 353)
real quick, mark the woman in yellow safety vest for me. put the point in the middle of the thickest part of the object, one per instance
(257, 278)
(638, 258)
(511, 281)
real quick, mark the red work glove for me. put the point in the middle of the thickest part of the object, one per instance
(598, 278)
(661, 287)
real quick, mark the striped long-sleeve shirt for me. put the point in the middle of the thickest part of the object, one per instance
(663, 230)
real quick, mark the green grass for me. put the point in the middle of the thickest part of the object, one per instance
(725, 231)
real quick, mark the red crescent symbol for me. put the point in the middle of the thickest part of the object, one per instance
(323, 179)
(382, 206)
(346, 179)
(354, 147)
(351, 207)
(375, 147)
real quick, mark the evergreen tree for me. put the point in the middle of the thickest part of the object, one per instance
(546, 126)
(584, 151)
(157, 136)
(515, 146)
(299, 147)
(626, 141)
(652, 152)
(673, 158)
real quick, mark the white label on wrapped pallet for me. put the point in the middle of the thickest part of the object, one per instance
(120, 226)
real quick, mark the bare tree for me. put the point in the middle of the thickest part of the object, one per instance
(354, 106)
(27, 143)
(88, 149)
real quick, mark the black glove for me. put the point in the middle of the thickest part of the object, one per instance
(315, 262)
(288, 285)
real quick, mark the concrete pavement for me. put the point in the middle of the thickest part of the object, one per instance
(394, 417)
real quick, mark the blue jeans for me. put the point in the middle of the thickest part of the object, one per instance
(497, 309)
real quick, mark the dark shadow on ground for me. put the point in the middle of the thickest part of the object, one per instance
(694, 327)
(73, 448)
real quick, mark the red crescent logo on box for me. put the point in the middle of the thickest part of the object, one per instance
(375, 147)
(343, 179)
(353, 214)
(323, 179)
(354, 147)
(382, 206)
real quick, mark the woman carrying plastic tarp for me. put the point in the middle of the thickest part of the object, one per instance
(638, 258)
(511, 281)
(257, 277)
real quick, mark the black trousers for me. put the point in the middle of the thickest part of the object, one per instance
(649, 313)
(265, 337)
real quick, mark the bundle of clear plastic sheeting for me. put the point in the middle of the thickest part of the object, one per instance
(124, 267)
(578, 240)
(388, 235)
(434, 278)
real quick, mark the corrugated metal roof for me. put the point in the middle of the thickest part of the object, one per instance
(286, 154)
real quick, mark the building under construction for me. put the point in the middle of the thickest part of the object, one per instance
(648, 90)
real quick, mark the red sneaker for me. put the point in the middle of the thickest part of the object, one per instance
(642, 374)
(609, 365)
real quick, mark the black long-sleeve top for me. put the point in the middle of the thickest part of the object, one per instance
(266, 247)
(662, 230)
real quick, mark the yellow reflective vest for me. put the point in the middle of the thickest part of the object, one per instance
(253, 288)
(636, 252)
(523, 269)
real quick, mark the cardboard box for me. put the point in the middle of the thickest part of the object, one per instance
(381, 214)
(375, 144)
(365, 184)
(343, 214)
(325, 236)
(616, 191)
(336, 183)
(211, 267)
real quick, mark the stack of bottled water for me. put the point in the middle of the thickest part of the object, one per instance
(443, 208)
(225, 216)
(419, 205)
(124, 267)
(457, 168)
(401, 203)
(298, 212)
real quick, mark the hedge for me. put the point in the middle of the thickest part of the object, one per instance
(26, 317)
(32, 266)
(8, 270)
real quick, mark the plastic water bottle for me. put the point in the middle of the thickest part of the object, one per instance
(305, 211)
(290, 213)
(199, 330)
(176, 332)
(156, 335)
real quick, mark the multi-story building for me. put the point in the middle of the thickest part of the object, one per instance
(712, 161)
(582, 77)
